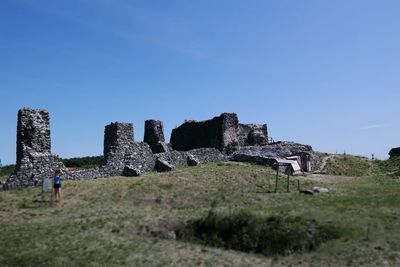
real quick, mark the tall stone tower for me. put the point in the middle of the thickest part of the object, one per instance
(154, 136)
(120, 150)
(34, 158)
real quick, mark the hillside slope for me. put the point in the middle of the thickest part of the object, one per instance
(131, 221)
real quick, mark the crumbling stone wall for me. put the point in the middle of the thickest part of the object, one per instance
(279, 150)
(252, 134)
(194, 143)
(202, 155)
(33, 132)
(154, 136)
(219, 132)
(34, 158)
(121, 150)
(394, 152)
(118, 137)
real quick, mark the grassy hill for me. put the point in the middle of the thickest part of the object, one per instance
(357, 166)
(134, 221)
(349, 165)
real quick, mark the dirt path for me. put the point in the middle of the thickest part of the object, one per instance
(318, 177)
(325, 161)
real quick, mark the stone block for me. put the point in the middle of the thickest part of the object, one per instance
(163, 165)
(131, 171)
(159, 147)
(192, 160)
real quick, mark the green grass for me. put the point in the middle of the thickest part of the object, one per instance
(356, 166)
(6, 171)
(122, 221)
(390, 167)
(249, 232)
(348, 165)
(83, 162)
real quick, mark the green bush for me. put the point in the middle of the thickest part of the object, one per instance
(6, 170)
(245, 231)
(83, 163)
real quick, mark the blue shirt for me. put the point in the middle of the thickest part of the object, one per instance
(57, 180)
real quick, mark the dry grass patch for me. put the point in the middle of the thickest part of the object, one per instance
(121, 221)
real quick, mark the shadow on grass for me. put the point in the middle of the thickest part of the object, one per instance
(39, 201)
(247, 232)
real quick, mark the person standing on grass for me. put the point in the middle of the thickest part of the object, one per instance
(57, 185)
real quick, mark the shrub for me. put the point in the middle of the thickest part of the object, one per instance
(6, 170)
(248, 232)
(84, 162)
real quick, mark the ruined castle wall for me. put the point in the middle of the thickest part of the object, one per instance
(33, 132)
(219, 133)
(279, 150)
(121, 150)
(394, 152)
(118, 137)
(203, 155)
(252, 134)
(194, 142)
(154, 136)
(34, 158)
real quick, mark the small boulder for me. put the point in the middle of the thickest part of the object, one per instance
(192, 160)
(394, 152)
(306, 192)
(131, 171)
(163, 166)
(317, 189)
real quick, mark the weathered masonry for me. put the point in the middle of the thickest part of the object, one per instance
(194, 142)
(154, 136)
(34, 158)
(223, 133)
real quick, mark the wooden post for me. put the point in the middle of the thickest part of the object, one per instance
(277, 177)
(288, 184)
(51, 197)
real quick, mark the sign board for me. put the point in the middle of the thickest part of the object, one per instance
(47, 185)
(295, 165)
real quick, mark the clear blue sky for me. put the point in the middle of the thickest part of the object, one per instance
(325, 73)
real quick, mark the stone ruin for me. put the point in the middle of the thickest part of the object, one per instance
(224, 133)
(394, 152)
(222, 138)
(121, 150)
(154, 136)
(34, 158)
(252, 134)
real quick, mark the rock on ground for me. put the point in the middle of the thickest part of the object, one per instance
(163, 165)
(131, 171)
